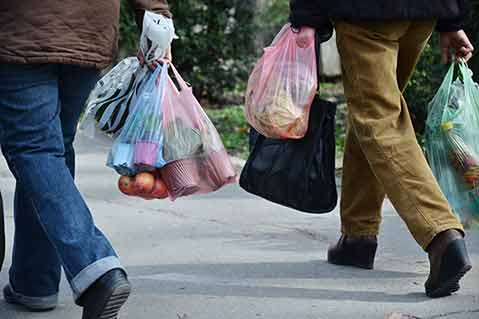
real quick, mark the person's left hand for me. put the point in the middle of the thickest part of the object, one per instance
(154, 64)
(305, 37)
(459, 43)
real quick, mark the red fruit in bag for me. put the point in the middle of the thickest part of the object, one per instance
(125, 184)
(144, 183)
(160, 190)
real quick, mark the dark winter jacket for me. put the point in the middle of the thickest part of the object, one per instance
(318, 13)
(64, 31)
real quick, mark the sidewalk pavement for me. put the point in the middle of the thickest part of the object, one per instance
(233, 256)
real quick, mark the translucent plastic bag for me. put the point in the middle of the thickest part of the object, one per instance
(108, 104)
(282, 87)
(156, 37)
(452, 143)
(139, 147)
(197, 160)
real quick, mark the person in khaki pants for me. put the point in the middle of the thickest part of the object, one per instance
(379, 46)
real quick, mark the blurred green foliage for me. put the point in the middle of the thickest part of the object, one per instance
(215, 49)
(233, 128)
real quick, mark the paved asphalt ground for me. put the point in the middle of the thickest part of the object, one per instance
(230, 255)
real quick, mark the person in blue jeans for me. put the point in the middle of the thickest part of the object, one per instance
(50, 58)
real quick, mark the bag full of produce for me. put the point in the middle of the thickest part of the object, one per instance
(452, 142)
(197, 161)
(282, 87)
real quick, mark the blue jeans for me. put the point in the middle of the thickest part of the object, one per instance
(40, 106)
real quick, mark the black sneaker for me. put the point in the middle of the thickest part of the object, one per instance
(104, 299)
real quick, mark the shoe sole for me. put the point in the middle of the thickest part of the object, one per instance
(450, 286)
(363, 262)
(114, 302)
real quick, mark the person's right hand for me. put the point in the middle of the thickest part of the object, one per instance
(458, 42)
(305, 37)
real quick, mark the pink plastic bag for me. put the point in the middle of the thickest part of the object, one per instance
(282, 87)
(197, 159)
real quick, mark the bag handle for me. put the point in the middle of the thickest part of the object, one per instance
(471, 89)
(161, 79)
(181, 82)
(443, 99)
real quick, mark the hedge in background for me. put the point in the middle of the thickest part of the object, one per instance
(215, 48)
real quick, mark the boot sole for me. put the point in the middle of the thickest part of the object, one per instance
(363, 260)
(342, 262)
(114, 302)
(450, 286)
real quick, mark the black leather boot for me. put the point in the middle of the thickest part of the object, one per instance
(449, 262)
(106, 296)
(356, 251)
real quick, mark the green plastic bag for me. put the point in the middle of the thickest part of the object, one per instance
(452, 142)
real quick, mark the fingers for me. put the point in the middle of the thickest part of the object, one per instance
(305, 37)
(141, 58)
(464, 53)
(153, 65)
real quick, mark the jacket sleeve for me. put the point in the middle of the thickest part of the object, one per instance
(312, 14)
(456, 23)
(157, 6)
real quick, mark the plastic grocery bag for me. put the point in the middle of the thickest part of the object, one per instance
(156, 37)
(282, 87)
(139, 147)
(108, 103)
(452, 142)
(297, 173)
(197, 160)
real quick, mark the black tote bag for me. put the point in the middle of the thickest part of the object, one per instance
(299, 174)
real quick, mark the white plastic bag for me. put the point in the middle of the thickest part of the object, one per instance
(158, 33)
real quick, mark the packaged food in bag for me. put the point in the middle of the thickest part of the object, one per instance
(282, 87)
(197, 161)
(452, 135)
(139, 146)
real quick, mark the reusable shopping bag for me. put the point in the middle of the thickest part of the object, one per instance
(197, 161)
(281, 88)
(452, 142)
(297, 173)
